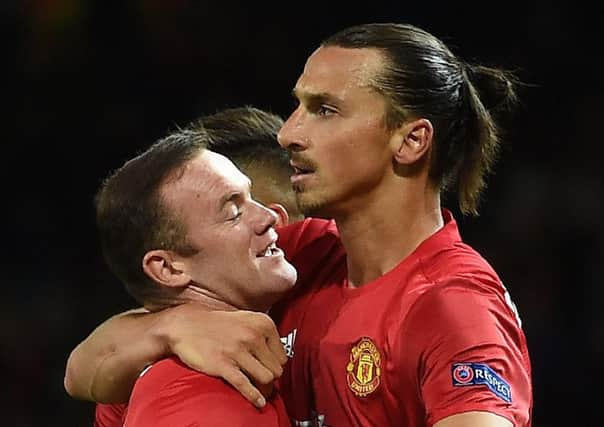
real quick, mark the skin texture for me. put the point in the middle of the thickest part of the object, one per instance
(231, 232)
(339, 127)
(474, 419)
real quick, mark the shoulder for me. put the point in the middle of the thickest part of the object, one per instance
(109, 415)
(462, 298)
(464, 316)
(173, 375)
(312, 245)
(170, 393)
(302, 233)
(452, 276)
(458, 260)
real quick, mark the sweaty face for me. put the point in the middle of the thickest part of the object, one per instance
(238, 262)
(337, 136)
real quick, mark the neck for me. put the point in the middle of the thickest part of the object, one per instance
(195, 293)
(378, 234)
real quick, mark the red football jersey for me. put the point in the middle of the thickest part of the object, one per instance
(110, 415)
(169, 394)
(436, 336)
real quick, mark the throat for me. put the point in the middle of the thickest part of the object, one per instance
(373, 249)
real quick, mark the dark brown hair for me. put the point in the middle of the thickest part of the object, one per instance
(246, 135)
(132, 218)
(423, 78)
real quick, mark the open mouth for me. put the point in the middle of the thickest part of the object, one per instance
(301, 171)
(301, 166)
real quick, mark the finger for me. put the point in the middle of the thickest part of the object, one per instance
(268, 358)
(254, 369)
(243, 385)
(267, 328)
(275, 346)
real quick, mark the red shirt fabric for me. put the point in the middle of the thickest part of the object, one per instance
(109, 415)
(169, 394)
(435, 336)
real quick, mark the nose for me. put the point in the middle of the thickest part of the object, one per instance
(266, 219)
(290, 136)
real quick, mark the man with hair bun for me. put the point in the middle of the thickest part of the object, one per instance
(403, 324)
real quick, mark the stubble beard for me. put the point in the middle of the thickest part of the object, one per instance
(310, 206)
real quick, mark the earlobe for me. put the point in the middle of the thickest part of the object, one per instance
(162, 268)
(282, 215)
(412, 141)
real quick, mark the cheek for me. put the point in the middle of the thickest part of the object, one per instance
(354, 148)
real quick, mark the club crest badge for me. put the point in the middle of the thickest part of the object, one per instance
(363, 371)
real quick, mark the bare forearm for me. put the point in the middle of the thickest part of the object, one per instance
(474, 419)
(105, 365)
(238, 346)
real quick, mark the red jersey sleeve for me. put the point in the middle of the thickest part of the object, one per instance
(109, 415)
(308, 245)
(294, 237)
(470, 352)
(172, 395)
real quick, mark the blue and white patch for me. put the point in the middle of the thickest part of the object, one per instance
(464, 374)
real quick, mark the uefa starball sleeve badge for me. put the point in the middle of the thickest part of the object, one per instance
(480, 374)
(363, 371)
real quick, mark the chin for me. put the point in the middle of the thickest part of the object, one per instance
(289, 276)
(279, 287)
(310, 207)
(284, 281)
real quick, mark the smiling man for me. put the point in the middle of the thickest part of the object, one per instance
(178, 224)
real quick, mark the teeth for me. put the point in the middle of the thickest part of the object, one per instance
(269, 250)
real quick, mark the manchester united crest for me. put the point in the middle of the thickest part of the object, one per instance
(363, 371)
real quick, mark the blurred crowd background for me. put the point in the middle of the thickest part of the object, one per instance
(90, 83)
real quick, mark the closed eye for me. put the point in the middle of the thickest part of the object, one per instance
(236, 217)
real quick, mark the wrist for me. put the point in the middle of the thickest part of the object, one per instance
(172, 322)
(163, 331)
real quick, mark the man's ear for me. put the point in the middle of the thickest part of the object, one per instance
(411, 141)
(163, 268)
(282, 215)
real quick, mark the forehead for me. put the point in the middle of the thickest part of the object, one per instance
(207, 179)
(339, 70)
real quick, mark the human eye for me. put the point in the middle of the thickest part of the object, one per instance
(233, 213)
(325, 110)
(236, 216)
(321, 108)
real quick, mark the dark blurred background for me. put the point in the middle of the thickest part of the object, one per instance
(90, 83)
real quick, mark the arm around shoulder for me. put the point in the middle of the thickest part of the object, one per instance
(105, 365)
(230, 345)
